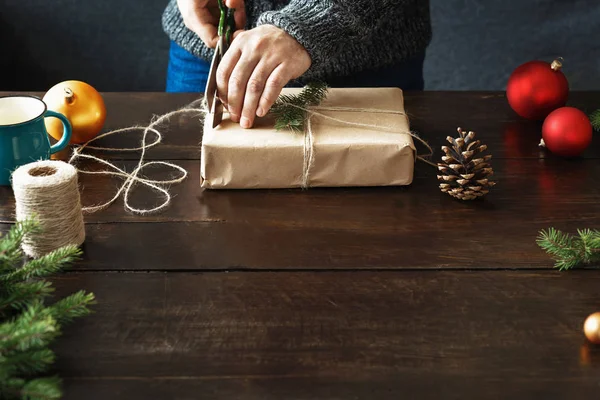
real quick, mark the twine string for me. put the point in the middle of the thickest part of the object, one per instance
(309, 143)
(131, 178)
(48, 190)
(134, 177)
(309, 153)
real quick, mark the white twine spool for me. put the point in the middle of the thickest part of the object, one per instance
(49, 191)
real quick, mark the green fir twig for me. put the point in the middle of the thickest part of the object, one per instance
(290, 110)
(570, 251)
(595, 120)
(29, 326)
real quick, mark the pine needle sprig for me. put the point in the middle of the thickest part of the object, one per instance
(42, 389)
(10, 247)
(20, 295)
(595, 120)
(290, 110)
(34, 360)
(32, 329)
(313, 93)
(46, 265)
(570, 251)
(28, 325)
(74, 306)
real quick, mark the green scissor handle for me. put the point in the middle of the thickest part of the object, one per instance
(226, 21)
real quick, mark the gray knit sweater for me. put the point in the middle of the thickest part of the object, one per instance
(342, 36)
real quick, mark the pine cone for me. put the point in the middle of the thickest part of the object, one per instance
(462, 175)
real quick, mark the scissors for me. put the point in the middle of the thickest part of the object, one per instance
(225, 31)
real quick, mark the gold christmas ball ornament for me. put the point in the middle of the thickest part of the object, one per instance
(82, 105)
(591, 328)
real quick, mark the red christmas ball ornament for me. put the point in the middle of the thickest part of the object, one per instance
(537, 88)
(567, 132)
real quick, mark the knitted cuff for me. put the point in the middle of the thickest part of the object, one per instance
(175, 28)
(309, 23)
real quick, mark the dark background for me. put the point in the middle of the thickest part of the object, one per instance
(118, 45)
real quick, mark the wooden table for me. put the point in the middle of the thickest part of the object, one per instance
(383, 293)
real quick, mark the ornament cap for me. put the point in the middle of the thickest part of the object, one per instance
(557, 64)
(69, 95)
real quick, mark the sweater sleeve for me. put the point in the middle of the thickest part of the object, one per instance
(346, 36)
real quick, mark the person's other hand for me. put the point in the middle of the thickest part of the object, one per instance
(254, 70)
(202, 17)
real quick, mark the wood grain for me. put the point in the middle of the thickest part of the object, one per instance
(545, 190)
(411, 227)
(337, 293)
(433, 115)
(330, 335)
(405, 385)
(229, 246)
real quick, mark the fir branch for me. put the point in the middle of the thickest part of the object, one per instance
(74, 306)
(570, 251)
(10, 245)
(46, 265)
(15, 235)
(29, 326)
(595, 120)
(32, 329)
(30, 361)
(42, 389)
(313, 93)
(290, 110)
(20, 295)
(10, 388)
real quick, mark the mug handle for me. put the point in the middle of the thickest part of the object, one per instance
(66, 137)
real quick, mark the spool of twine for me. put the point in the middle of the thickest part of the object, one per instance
(49, 192)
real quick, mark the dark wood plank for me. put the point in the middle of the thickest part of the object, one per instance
(230, 246)
(412, 227)
(434, 115)
(331, 335)
(403, 386)
(550, 191)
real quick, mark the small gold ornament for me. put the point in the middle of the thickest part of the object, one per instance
(591, 328)
(464, 175)
(82, 104)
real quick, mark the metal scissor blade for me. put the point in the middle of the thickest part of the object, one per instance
(211, 84)
(218, 114)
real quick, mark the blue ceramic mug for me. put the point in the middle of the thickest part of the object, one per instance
(23, 134)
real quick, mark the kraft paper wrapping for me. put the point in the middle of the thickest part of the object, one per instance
(344, 155)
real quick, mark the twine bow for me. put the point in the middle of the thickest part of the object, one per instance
(134, 177)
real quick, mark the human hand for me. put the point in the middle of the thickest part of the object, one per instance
(202, 17)
(254, 70)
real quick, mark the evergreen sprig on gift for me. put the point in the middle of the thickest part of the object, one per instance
(290, 110)
(28, 325)
(595, 120)
(570, 251)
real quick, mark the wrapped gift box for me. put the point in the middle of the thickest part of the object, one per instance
(342, 154)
